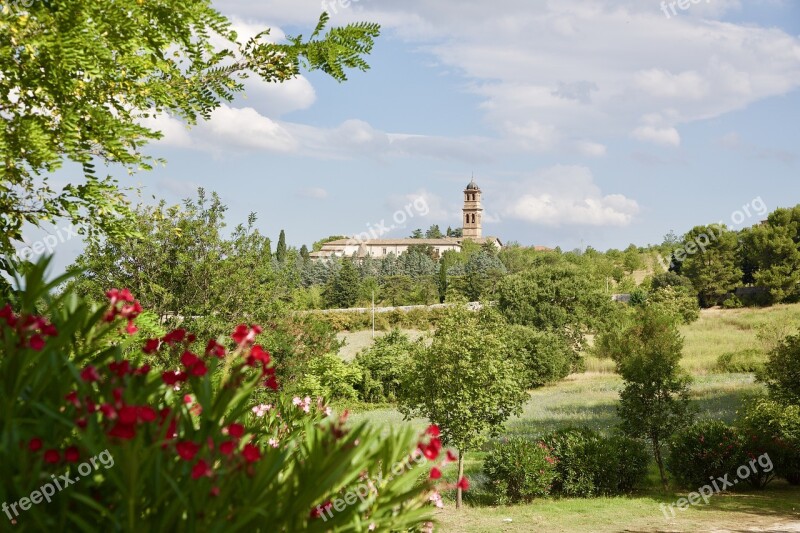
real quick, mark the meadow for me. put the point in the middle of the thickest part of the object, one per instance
(589, 399)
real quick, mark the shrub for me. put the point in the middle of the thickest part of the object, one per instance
(677, 300)
(331, 378)
(782, 371)
(772, 428)
(184, 450)
(383, 365)
(546, 356)
(732, 302)
(708, 448)
(742, 361)
(519, 470)
(588, 464)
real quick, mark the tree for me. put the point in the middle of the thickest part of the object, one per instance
(465, 382)
(86, 76)
(317, 246)
(342, 289)
(559, 297)
(304, 254)
(455, 233)
(417, 234)
(631, 259)
(434, 232)
(654, 401)
(782, 371)
(713, 265)
(771, 254)
(280, 251)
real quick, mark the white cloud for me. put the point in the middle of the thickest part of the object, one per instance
(661, 136)
(566, 196)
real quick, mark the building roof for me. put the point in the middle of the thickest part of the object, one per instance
(473, 186)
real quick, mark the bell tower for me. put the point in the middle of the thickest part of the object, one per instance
(472, 211)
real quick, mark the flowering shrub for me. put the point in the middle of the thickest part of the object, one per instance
(519, 470)
(191, 448)
(773, 428)
(709, 448)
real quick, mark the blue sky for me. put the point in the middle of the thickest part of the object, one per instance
(585, 122)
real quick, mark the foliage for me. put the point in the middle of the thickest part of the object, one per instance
(330, 378)
(465, 382)
(747, 360)
(773, 428)
(677, 300)
(782, 371)
(714, 268)
(556, 297)
(772, 250)
(519, 470)
(341, 291)
(383, 365)
(706, 449)
(588, 464)
(545, 355)
(201, 458)
(88, 77)
(654, 401)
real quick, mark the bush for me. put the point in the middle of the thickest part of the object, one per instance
(546, 356)
(588, 464)
(772, 428)
(382, 366)
(742, 361)
(708, 448)
(678, 300)
(732, 303)
(331, 378)
(181, 451)
(519, 470)
(782, 371)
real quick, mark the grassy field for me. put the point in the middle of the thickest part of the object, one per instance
(589, 399)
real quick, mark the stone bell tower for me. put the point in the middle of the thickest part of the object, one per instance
(472, 211)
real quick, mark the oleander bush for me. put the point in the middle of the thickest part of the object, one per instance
(706, 449)
(187, 449)
(519, 470)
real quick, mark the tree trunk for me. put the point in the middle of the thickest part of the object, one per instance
(659, 461)
(460, 475)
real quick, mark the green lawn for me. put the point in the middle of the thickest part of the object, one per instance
(589, 399)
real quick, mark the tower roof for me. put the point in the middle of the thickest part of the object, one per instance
(473, 186)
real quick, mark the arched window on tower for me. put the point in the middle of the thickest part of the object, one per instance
(473, 218)
(467, 220)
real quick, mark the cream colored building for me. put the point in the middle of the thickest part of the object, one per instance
(471, 217)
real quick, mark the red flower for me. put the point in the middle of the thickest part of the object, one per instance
(271, 383)
(187, 450)
(214, 492)
(236, 430)
(72, 455)
(142, 370)
(258, 354)
(451, 457)
(216, 349)
(201, 469)
(121, 368)
(188, 359)
(318, 511)
(131, 328)
(108, 411)
(244, 334)
(431, 450)
(122, 431)
(433, 430)
(81, 423)
(35, 444)
(36, 342)
(171, 377)
(7, 314)
(251, 453)
(89, 374)
(176, 335)
(227, 447)
(72, 397)
(463, 484)
(436, 473)
(151, 346)
(145, 413)
(199, 369)
(127, 415)
(51, 456)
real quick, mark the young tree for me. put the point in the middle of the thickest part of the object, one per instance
(713, 267)
(654, 401)
(434, 232)
(466, 382)
(87, 76)
(280, 251)
(304, 254)
(342, 289)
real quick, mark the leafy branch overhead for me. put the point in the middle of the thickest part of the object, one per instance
(80, 80)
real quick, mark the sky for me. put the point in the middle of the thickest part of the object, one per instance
(585, 122)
